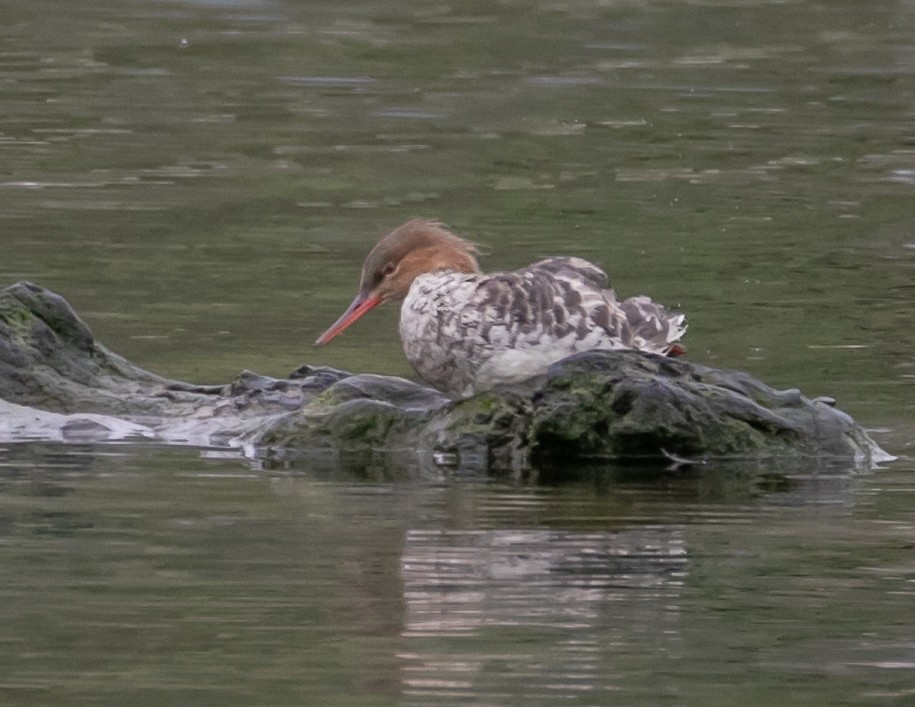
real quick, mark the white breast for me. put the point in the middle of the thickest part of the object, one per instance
(438, 328)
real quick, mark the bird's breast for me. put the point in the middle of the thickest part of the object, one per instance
(440, 330)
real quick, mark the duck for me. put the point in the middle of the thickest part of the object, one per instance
(465, 331)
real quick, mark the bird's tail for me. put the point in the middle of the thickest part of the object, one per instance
(654, 327)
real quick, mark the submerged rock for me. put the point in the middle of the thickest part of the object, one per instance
(57, 382)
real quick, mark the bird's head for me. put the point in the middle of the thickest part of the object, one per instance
(410, 250)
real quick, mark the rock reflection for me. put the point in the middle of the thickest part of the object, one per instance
(538, 610)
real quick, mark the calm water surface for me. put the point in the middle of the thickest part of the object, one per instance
(202, 179)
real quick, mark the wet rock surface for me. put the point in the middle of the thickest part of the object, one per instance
(56, 381)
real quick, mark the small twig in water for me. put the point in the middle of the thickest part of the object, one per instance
(680, 461)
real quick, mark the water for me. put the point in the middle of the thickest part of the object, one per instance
(146, 576)
(201, 181)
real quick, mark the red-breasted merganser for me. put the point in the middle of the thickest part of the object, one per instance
(465, 331)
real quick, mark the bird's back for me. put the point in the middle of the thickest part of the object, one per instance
(468, 332)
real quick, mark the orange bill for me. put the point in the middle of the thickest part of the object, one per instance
(361, 305)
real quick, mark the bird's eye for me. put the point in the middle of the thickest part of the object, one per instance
(388, 269)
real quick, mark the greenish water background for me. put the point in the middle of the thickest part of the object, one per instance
(202, 179)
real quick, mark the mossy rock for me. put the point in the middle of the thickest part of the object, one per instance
(606, 406)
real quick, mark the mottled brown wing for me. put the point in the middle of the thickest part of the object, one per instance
(653, 327)
(555, 304)
(572, 269)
